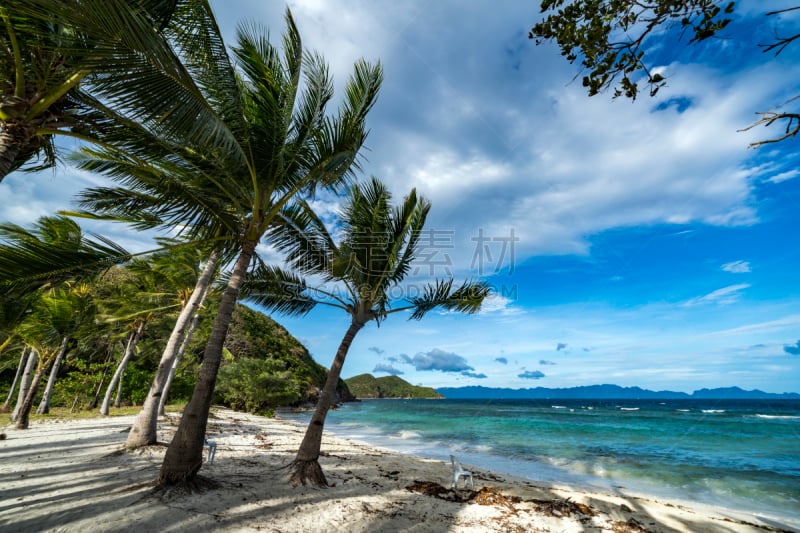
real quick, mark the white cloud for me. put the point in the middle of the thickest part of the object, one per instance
(737, 267)
(723, 296)
(497, 304)
(784, 176)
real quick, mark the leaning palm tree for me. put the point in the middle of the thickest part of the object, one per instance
(374, 256)
(75, 299)
(65, 63)
(48, 329)
(144, 430)
(152, 287)
(276, 142)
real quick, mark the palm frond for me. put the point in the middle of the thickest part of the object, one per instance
(278, 290)
(467, 298)
(28, 260)
(302, 236)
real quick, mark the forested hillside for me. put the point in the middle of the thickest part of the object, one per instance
(266, 367)
(368, 386)
(132, 310)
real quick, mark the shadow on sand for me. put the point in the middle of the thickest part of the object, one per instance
(69, 477)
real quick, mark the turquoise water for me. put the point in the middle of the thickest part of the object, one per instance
(738, 454)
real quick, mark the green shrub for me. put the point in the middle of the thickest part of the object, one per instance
(257, 385)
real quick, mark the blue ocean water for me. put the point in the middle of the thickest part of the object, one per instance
(737, 454)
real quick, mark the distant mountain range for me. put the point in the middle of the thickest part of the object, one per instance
(610, 392)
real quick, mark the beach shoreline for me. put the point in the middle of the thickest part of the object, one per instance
(73, 476)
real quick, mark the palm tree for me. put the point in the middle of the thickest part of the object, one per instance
(276, 142)
(153, 285)
(377, 247)
(144, 429)
(59, 59)
(48, 329)
(78, 300)
(23, 359)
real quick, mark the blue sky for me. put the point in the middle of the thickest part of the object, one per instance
(634, 243)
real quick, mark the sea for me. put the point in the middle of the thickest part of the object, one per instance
(738, 454)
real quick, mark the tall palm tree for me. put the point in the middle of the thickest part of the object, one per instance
(144, 429)
(374, 255)
(60, 58)
(276, 142)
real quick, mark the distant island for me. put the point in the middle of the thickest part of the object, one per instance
(368, 386)
(608, 392)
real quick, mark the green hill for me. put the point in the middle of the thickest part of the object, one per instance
(266, 367)
(368, 386)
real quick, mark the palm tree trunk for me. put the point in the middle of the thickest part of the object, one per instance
(22, 359)
(162, 402)
(44, 406)
(184, 456)
(13, 137)
(132, 340)
(305, 467)
(145, 428)
(118, 396)
(23, 421)
(102, 377)
(27, 377)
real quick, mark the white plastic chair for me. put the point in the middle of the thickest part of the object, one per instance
(212, 450)
(458, 472)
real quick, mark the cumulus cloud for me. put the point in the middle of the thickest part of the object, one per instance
(502, 360)
(546, 362)
(388, 369)
(499, 304)
(737, 267)
(561, 346)
(437, 359)
(792, 349)
(531, 374)
(377, 350)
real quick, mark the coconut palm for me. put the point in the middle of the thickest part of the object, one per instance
(78, 299)
(277, 142)
(144, 430)
(374, 256)
(59, 59)
(48, 329)
(153, 286)
(23, 359)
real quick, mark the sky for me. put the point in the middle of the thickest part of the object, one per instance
(635, 243)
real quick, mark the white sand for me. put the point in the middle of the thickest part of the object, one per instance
(72, 476)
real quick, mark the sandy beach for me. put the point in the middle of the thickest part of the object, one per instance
(73, 476)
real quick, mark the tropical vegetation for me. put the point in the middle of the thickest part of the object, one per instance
(221, 148)
(60, 59)
(355, 274)
(92, 353)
